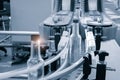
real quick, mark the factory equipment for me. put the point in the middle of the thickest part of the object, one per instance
(4, 18)
(64, 60)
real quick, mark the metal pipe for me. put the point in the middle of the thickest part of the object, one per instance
(65, 71)
(58, 75)
(2, 40)
(80, 76)
(11, 45)
(24, 33)
(63, 66)
(6, 45)
(19, 33)
(58, 56)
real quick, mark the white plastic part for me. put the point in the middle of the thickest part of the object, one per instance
(63, 40)
(90, 41)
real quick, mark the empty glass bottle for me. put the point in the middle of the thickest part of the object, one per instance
(35, 58)
(75, 42)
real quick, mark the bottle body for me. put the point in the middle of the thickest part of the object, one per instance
(75, 48)
(75, 43)
(35, 75)
(35, 58)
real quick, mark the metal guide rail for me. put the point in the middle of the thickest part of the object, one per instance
(60, 72)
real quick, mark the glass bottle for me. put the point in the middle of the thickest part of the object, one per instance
(35, 58)
(75, 42)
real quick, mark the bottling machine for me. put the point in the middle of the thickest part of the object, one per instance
(67, 50)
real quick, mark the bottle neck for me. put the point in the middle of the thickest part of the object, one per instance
(35, 50)
(75, 29)
(77, 12)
